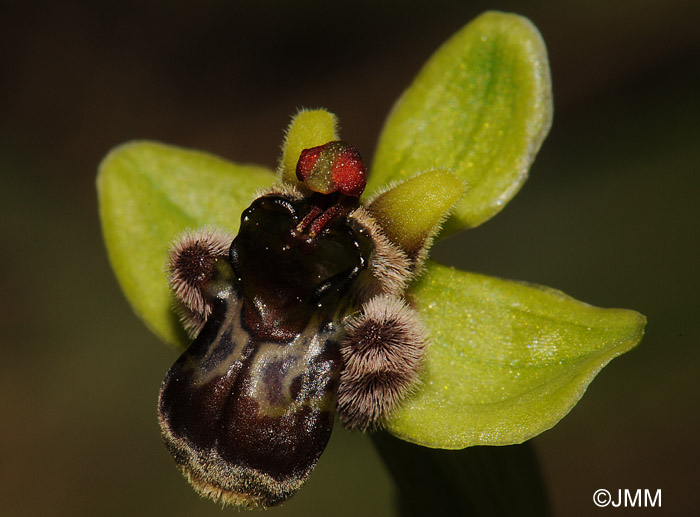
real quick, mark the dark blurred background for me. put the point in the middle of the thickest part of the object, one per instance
(610, 216)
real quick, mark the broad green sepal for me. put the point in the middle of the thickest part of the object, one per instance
(480, 107)
(410, 212)
(507, 360)
(150, 193)
(308, 128)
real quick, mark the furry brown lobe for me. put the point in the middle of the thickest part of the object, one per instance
(192, 268)
(382, 354)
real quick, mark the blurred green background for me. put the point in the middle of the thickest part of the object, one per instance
(609, 216)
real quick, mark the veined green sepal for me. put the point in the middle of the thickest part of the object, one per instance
(506, 361)
(480, 107)
(149, 193)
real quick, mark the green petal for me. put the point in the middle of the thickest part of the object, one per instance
(507, 360)
(480, 107)
(149, 193)
(410, 211)
(308, 128)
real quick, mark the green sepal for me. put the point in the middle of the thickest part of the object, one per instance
(410, 212)
(506, 361)
(308, 128)
(149, 193)
(480, 107)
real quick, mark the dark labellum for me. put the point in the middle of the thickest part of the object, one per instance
(248, 408)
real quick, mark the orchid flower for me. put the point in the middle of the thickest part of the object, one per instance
(505, 360)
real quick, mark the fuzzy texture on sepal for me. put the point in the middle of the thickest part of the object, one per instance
(382, 353)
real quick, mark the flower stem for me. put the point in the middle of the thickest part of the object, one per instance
(476, 481)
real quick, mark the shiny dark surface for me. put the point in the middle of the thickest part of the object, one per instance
(284, 279)
(256, 389)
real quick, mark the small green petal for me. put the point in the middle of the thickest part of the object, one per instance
(410, 211)
(309, 128)
(480, 107)
(149, 193)
(507, 360)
